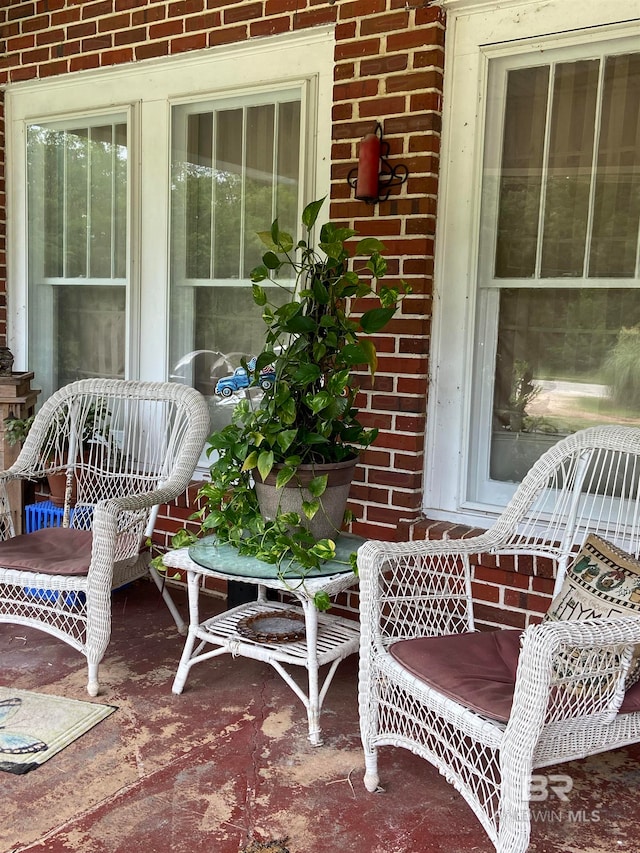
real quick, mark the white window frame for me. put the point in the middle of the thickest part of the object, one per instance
(477, 32)
(147, 91)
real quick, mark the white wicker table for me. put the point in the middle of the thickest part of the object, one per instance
(328, 639)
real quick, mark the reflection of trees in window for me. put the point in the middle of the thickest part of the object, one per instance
(241, 168)
(579, 178)
(77, 178)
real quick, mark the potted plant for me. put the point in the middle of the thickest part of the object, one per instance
(96, 429)
(307, 421)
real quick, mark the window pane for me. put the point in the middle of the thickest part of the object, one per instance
(199, 185)
(235, 167)
(569, 174)
(566, 359)
(90, 332)
(77, 196)
(76, 179)
(617, 194)
(228, 200)
(521, 176)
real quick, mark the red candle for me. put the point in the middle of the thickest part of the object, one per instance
(368, 168)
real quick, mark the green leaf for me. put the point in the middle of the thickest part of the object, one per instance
(271, 260)
(310, 508)
(285, 438)
(368, 246)
(250, 462)
(284, 475)
(259, 273)
(333, 249)
(378, 265)
(310, 213)
(259, 295)
(305, 374)
(353, 560)
(265, 463)
(284, 242)
(301, 324)
(266, 237)
(322, 601)
(318, 485)
(370, 354)
(324, 549)
(375, 319)
(318, 402)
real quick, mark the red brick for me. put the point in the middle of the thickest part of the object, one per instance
(415, 81)
(484, 592)
(242, 12)
(361, 8)
(185, 7)
(52, 69)
(130, 36)
(116, 57)
(383, 106)
(85, 62)
(384, 24)
(51, 36)
(96, 10)
(151, 50)
(203, 22)
(315, 17)
(87, 28)
(114, 22)
(277, 7)
(195, 41)
(227, 36)
(97, 43)
(499, 616)
(383, 65)
(166, 29)
(148, 15)
(411, 39)
(359, 47)
(271, 27)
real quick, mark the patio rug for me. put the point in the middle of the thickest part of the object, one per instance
(34, 726)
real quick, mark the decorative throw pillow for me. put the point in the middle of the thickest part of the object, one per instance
(603, 581)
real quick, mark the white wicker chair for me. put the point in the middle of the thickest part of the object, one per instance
(588, 482)
(126, 448)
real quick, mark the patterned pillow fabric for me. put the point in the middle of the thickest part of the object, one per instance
(603, 581)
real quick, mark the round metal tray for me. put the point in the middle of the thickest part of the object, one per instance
(273, 626)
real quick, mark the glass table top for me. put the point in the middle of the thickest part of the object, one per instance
(224, 558)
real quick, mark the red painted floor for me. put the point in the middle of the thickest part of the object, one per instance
(228, 763)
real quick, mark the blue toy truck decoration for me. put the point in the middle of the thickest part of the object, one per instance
(240, 378)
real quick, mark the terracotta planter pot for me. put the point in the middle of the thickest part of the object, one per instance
(57, 487)
(327, 522)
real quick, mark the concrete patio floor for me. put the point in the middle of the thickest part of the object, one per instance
(228, 763)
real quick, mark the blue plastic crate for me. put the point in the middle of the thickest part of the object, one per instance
(37, 516)
(43, 514)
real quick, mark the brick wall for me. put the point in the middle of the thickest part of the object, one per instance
(388, 67)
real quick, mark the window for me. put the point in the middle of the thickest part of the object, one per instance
(77, 180)
(134, 196)
(235, 168)
(552, 326)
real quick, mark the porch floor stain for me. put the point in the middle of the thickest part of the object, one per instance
(226, 767)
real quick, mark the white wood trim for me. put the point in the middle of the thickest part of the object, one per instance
(477, 31)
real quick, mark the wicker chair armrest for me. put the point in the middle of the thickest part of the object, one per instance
(413, 589)
(573, 669)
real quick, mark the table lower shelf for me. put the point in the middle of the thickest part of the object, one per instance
(336, 639)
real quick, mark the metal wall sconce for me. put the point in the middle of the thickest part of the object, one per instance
(374, 176)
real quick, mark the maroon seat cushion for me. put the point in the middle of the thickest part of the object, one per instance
(51, 550)
(476, 669)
